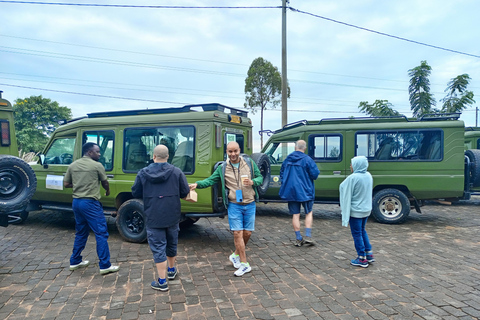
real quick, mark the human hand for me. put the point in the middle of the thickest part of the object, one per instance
(193, 186)
(107, 193)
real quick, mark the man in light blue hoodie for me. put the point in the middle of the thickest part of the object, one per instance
(356, 204)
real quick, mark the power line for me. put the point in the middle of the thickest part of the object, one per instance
(383, 34)
(138, 6)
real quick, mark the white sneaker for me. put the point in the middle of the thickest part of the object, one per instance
(235, 259)
(80, 265)
(109, 270)
(244, 268)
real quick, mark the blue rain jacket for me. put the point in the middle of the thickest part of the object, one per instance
(297, 174)
(356, 191)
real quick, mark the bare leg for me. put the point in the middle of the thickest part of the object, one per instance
(240, 238)
(171, 261)
(162, 269)
(296, 222)
(308, 220)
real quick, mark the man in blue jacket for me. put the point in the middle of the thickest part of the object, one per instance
(162, 185)
(297, 176)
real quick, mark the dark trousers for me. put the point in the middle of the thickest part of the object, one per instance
(89, 216)
(360, 236)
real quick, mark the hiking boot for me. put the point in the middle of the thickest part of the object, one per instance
(235, 259)
(370, 257)
(171, 273)
(309, 241)
(299, 243)
(82, 264)
(161, 287)
(244, 268)
(360, 262)
(111, 269)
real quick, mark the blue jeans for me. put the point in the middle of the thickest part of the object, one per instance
(241, 217)
(360, 236)
(89, 216)
(163, 242)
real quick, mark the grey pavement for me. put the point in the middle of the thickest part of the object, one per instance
(426, 268)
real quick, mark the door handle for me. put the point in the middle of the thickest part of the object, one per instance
(110, 176)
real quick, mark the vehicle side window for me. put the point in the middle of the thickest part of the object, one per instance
(418, 145)
(277, 152)
(105, 140)
(60, 151)
(325, 147)
(229, 137)
(139, 144)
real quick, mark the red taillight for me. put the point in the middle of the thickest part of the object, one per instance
(5, 133)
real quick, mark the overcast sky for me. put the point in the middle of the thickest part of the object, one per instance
(83, 56)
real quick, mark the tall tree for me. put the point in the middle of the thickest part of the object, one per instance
(421, 100)
(35, 119)
(263, 86)
(380, 108)
(458, 98)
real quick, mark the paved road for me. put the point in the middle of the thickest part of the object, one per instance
(427, 268)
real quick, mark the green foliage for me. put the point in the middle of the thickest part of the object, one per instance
(380, 108)
(457, 98)
(421, 100)
(263, 86)
(35, 119)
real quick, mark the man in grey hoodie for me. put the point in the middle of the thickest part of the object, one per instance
(162, 185)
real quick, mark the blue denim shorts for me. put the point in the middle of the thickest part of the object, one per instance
(295, 207)
(241, 217)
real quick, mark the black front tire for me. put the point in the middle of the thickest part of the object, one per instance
(17, 183)
(390, 206)
(131, 221)
(263, 163)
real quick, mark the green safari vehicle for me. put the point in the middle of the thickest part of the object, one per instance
(410, 160)
(196, 136)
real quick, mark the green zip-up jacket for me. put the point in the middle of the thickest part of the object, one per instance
(218, 175)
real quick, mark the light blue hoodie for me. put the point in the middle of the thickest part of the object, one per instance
(356, 192)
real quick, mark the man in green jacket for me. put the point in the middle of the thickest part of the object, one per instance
(239, 195)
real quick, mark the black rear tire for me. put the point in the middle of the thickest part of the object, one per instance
(390, 206)
(474, 156)
(188, 222)
(131, 221)
(263, 163)
(17, 183)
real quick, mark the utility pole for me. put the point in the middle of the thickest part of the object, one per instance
(284, 63)
(476, 116)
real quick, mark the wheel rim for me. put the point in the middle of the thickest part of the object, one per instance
(390, 207)
(9, 183)
(134, 222)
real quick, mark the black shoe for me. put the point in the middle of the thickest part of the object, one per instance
(299, 243)
(309, 241)
(171, 273)
(157, 286)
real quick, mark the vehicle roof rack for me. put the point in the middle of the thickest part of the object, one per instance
(472, 128)
(440, 116)
(187, 108)
(363, 118)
